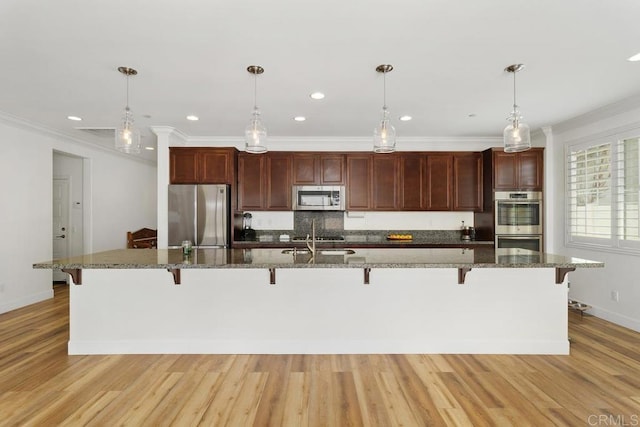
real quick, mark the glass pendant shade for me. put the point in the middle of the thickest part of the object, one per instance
(127, 137)
(516, 135)
(384, 135)
(255, 135)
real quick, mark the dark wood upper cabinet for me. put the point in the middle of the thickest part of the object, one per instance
(439, 182)
(358, 186)
(278, 183)
(530, 169)
(305, 167)
(189, 165)
(386, 181)
(412, 181)
(264, 181)
(467, 181)
(318, 169)
(518, 171)
(183, 165)
(251, 181)
(332, 169)
(216, 166)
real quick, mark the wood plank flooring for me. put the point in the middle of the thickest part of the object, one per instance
(40, 385)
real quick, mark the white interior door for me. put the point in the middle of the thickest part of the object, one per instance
(60, 223)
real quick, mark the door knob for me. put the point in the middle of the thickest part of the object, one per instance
(61, 236)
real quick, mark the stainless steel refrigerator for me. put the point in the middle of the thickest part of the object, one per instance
(199, 213)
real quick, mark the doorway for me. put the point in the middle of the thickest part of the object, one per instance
(61, 222)
(69, 181)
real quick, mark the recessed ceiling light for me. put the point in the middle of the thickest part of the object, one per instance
(74, 118)
(193, 118)
(405, 118)
(634, 58)
(299, 118)
(317, 95)
(149, 148)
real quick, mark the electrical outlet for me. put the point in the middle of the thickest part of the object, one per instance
(615, 296)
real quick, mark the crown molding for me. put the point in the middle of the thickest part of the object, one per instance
(602, 113)
(361, 143)
(21, 123)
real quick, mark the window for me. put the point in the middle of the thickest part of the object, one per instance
(603, 189)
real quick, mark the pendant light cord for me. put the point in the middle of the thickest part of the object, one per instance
(255, 91)
(515, 106)
(127, 106)
(384, 90)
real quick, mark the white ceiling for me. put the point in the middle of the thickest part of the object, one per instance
(60, 57)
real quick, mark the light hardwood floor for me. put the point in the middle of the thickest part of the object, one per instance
(40, 385)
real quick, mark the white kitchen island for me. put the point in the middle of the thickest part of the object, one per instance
(261, 301)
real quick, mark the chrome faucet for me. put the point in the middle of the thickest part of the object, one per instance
(312, 246)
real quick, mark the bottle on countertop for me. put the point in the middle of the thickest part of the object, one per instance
(465, 233)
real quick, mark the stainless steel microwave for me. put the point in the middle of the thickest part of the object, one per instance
(318, 198)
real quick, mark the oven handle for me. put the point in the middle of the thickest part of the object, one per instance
(519, 202)
(519, 237)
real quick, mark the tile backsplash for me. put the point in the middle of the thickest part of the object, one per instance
(300, 221)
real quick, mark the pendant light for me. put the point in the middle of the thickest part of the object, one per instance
(255, 135)
(516, 135)
(384, 135)
(127, 137)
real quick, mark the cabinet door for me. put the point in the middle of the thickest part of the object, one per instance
(505, 171)
(412, 181)
(332, 169)
(278, 184)
(183, 165)
(530, 169)
(386, 177)
(305, 167)
(251, 181)
(467, 182)
(215, 166)
(358, 181)
(438, 182)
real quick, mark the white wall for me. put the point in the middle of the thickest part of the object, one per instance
(120, 197)
(621, 272)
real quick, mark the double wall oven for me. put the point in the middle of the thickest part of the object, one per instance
(518, 220)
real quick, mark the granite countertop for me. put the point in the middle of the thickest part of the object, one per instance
(367, 238)
(480, 257)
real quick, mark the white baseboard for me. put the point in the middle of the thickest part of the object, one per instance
(77, 347)
(26, 300)
(616, 318)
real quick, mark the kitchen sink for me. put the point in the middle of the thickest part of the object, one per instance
(337, 252)
(319, 251)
